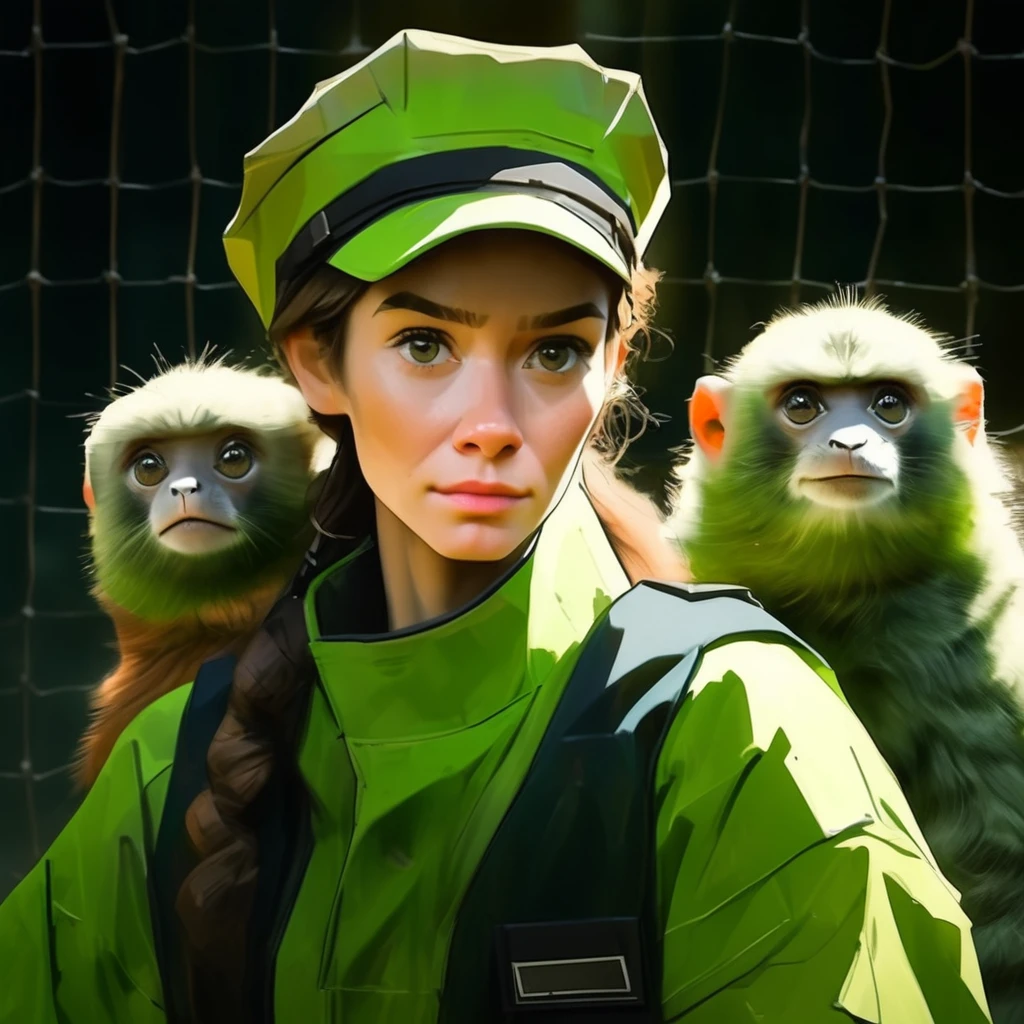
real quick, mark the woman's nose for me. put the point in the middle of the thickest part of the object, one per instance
(488, 423)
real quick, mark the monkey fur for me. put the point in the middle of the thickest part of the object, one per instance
(197, 485)
(908, 579)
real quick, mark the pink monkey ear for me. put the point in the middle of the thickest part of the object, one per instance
(970, 408)
(87, 496)
(708, 411)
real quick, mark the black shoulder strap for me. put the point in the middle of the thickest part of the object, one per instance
(284, 840)
(173, 858)
(561, 914)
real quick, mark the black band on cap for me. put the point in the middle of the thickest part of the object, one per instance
(497, 169)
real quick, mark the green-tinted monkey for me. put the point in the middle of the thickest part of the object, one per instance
(196, 484)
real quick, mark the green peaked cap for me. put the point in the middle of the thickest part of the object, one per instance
(434, 135)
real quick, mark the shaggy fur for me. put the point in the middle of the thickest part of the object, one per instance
(918, 604)
(171, 611)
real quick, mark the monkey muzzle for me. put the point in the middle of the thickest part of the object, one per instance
(844, 480)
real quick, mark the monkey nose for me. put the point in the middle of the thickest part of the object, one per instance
(848, 439)
(186, 485)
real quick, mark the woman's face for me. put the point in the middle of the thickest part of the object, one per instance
(472, 378)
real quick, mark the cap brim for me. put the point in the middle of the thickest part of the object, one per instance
(397, 238)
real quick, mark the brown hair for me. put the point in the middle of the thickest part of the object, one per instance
(269, 693)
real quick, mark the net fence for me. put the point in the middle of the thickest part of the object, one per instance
(51, 638)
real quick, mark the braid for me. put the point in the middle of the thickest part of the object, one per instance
(265, 712)
(266, 709)
(215, 899)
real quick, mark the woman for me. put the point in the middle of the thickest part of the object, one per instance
(464, 772)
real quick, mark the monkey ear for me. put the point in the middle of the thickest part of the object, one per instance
(87, 496)
(708, 411)
(970, 409)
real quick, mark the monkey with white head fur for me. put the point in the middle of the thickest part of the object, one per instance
(842, 472)
(197, 485)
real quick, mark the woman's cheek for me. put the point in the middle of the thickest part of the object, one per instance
(561, 431)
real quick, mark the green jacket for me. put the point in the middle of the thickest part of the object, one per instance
(802, 893)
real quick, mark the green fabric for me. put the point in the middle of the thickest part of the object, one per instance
(397, 238)
(794, 885)
(421, 93)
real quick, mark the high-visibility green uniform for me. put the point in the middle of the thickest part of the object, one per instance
(793, 884)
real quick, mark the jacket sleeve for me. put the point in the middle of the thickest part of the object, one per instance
(794, 882)
(76, 941)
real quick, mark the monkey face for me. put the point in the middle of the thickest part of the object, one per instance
(837, 446)
(197, 487)
(194, 489)
(847, 441)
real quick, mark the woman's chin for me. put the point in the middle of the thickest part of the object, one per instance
(479, 541)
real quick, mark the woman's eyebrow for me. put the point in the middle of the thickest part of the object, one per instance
(561, 316)
(418, 304)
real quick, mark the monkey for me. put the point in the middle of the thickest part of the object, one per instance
(198, 489)
(841, 471)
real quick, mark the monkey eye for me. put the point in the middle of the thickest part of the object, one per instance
(235, 460)
(801, 405)
(149, 469)
(891, 405)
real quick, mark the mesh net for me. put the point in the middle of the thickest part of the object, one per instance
(119, 226)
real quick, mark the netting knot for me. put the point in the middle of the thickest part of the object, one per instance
(120, 40)
(728, 32)
(34, 278)
(966, 48)
(112, 277)
(35, 175)
(28, 612)
(25, 766)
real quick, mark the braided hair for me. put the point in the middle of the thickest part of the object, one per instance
(266, 705)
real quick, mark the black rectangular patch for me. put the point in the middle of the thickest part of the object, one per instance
(571, 964)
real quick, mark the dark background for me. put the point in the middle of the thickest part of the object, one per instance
(811, 143)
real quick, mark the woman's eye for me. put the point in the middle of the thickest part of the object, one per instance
(423, 348)
(555, 356)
